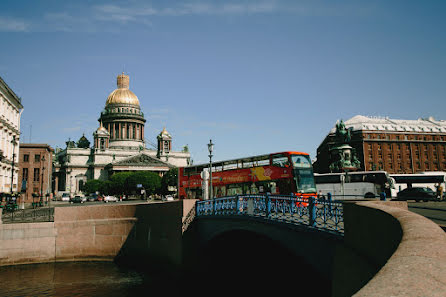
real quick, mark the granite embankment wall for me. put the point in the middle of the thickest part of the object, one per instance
(142, 232)
(389, 251)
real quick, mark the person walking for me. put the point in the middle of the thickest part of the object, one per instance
(440, 192)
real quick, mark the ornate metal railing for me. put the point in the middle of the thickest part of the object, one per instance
(42, 214)
(315, 213)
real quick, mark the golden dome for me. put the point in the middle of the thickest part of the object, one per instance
(122, 95)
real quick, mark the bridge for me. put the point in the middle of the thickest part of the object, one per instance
(366, 248)
(265, 243)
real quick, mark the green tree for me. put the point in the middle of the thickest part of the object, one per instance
(92, 186)
(118, 183)
(169, 179)
(106, 187)
(150, 181)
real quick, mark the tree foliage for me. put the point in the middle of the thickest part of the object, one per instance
(125, 183)
(93, 186)
(150, 181)
(169, 179)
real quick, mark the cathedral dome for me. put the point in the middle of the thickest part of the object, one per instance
(122, 95)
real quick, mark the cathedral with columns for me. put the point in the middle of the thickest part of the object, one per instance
(119, 145)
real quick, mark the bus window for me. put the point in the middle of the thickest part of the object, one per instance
(301, 161)
(234, 189)
(280, 161)
(304, 180)
(220, 191)
(283, 187)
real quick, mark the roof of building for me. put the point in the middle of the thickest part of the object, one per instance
(16, 100)
(35, 145)
(421, 125)
(122, 95)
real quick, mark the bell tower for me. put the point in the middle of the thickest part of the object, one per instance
(164, 144)
(101, 139)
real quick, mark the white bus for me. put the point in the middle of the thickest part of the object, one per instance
(354, 185)
(423, 179)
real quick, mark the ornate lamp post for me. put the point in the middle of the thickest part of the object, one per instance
(210, 148)
(13, 159)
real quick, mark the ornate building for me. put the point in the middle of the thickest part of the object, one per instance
(119, 145)
(10, 111)
(396, 146)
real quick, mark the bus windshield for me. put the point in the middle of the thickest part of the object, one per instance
(301, 161)
(304, 180)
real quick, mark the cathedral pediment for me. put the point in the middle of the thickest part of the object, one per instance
(142, 160)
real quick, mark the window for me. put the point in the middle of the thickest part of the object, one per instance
(301, 161)
(36, 158)
(26, 158)
(36, 174)
(280, 161)
(25, 174)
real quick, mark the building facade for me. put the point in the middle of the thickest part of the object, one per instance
(10, 111)
(119, 145)
(35, 172)
(393, 145)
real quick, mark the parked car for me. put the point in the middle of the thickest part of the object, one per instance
(110, 199)
(417, 194)
(77, 199)
(66, 197)
(168, 198)
(93, 197)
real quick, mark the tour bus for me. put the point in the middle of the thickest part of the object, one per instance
(423, 179)
(279, 173)
(354, 185)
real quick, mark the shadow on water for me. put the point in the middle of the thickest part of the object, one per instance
(245, 262)
(77, 279)
(237, 262)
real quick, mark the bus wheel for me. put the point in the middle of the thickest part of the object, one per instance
(369, 195)
(417, 200)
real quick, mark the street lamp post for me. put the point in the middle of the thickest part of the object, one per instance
(210, 148)
(13, 159)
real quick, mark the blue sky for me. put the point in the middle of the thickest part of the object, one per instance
(255, 76)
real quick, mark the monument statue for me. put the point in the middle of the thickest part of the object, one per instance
(342, 155)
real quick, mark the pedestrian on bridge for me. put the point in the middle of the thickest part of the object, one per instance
(439, 191)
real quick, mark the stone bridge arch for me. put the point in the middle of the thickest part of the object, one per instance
(281, 248)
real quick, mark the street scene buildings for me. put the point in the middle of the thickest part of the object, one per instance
(393, 145)
(119, 145)
(10, 111)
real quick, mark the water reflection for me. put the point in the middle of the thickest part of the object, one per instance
(75, 279)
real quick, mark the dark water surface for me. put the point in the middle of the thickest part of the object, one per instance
(78, 279)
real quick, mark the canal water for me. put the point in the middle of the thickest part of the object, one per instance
(79, 279)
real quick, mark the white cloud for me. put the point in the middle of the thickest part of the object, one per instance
(8, 24)
(136, 13)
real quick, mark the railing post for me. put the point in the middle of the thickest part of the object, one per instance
(312, 211)
(268, 205)
(237, 205)
(329, 203)
(215, 207)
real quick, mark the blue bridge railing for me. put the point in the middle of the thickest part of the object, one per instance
(325, 215)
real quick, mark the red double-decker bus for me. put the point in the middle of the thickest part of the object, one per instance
(279, 173)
